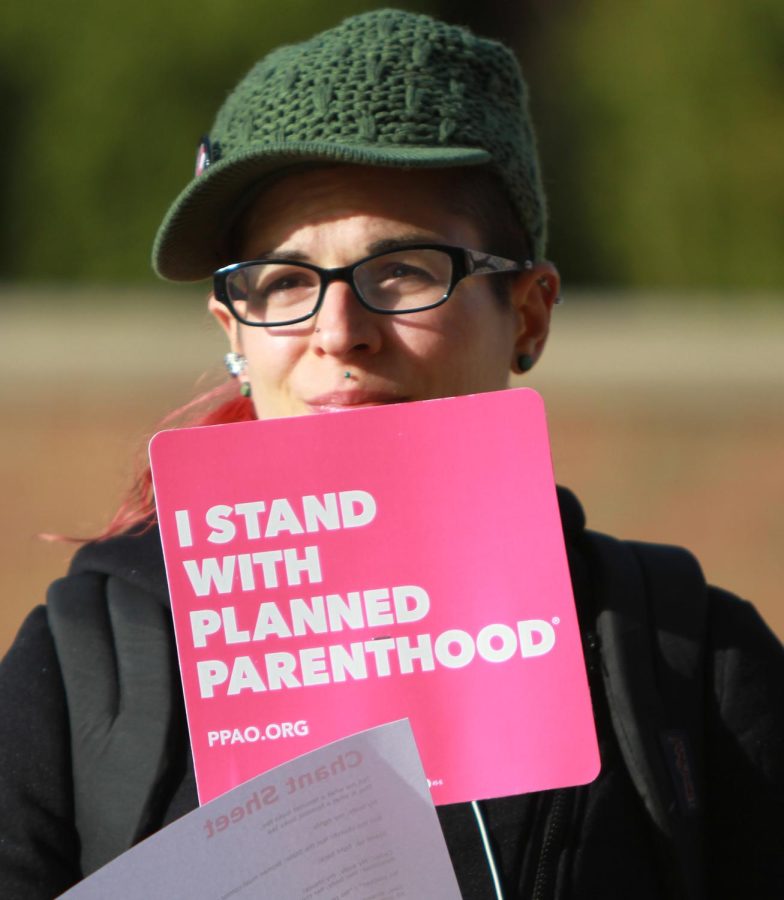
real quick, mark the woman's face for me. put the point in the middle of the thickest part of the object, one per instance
(348, 356)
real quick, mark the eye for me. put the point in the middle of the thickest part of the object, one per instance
(283, 284)
(279, 285)
(402, 271)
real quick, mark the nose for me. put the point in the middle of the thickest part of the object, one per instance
(343, 327)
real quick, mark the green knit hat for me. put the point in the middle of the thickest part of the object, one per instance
(385, 88)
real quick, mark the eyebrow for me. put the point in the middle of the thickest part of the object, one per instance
(384, 245)
(400, 242)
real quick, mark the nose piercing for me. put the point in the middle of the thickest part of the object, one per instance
(347, 374)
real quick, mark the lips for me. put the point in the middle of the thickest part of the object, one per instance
(340, 401)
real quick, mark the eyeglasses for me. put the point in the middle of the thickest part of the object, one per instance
(270, 292)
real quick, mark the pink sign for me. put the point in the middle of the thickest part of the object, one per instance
(332, 573)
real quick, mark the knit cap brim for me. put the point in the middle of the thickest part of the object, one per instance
(187, 246)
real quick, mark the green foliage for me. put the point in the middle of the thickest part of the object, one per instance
(104, 104)
(660, 125)
(662, 134)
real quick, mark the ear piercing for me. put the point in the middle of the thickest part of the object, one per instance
(235, 363)
(525, 362)
(544, 284)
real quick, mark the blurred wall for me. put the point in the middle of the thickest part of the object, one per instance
(665, 416)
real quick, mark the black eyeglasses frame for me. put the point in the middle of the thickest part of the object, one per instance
(465, 262)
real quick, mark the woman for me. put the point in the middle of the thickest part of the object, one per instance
(371, 205)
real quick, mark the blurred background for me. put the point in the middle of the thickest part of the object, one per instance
(661, 128)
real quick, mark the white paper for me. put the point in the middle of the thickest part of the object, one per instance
(353, 819)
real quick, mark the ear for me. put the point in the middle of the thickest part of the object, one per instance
(533, 295)
(226, 321)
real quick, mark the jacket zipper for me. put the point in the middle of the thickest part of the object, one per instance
(544, 882)
(591, 650)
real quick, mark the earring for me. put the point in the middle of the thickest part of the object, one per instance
(235, 363)
(245, 389)
(544, 284)
(525, 362)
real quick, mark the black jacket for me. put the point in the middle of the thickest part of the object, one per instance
(591, 841)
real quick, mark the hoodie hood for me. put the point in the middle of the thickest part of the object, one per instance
(135, 557)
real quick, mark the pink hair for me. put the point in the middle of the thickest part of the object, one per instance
(136, 512)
